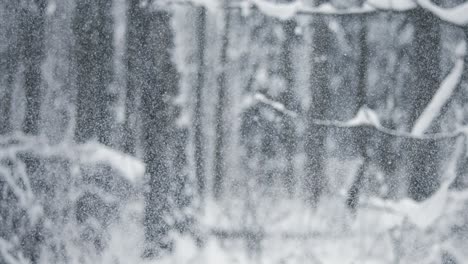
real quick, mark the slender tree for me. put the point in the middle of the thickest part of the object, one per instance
(425, 64)
(150, 68)
(363, 133)
(9, 59)
(316, 181)
(288, 133)
(26, 49)
(93, 31)
(138, 27)
(220, 159)
(200, 170)
(31, 25)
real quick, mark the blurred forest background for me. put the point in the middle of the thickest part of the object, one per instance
(215, 131)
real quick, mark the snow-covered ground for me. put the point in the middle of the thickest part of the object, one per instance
(374, 236)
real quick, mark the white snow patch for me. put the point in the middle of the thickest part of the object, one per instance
(424, 214)
(395, 5)
(380, 220)
(283, 11)
(365, 116)
(95, 153)
(185, 249)
(328, 8)
(213, 253)
(5, 247)
(212, 6)
(246, 102)
(457, 15)
(51, 8)
(274, 104)
(183, 120)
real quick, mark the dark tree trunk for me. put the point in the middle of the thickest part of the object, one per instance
(138, 24)
(220, 159)
(363, 133)
(200, 83)
(93, 31)
(5, 107)
(182, 197)
(31, 26)
(27, 48)
(316, 181)
(8, 64)
(150, 68)
(423, 167)
(288, 133)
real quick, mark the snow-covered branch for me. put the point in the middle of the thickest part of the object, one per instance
(443, 94)
(24, 195)
(7, 256)
(284, 11)
(364, 117)
(367, 117)
(274, 104)
(130, 167)
(457, 15)
(18, 182)
(90, 153)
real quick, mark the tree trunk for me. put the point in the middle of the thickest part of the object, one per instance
(8, 63)
(220, 159)
(136, 55)
(31, 25)
(150, 68)
(93, 30)
(200, 82)
(363, 133)
(288, 133)
(316, 181)
(423, 167)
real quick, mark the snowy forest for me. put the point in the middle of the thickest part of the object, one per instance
(233, 131)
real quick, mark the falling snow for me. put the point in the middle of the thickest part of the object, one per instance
(233, 132)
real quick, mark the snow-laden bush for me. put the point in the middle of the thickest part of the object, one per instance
(57, 202)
